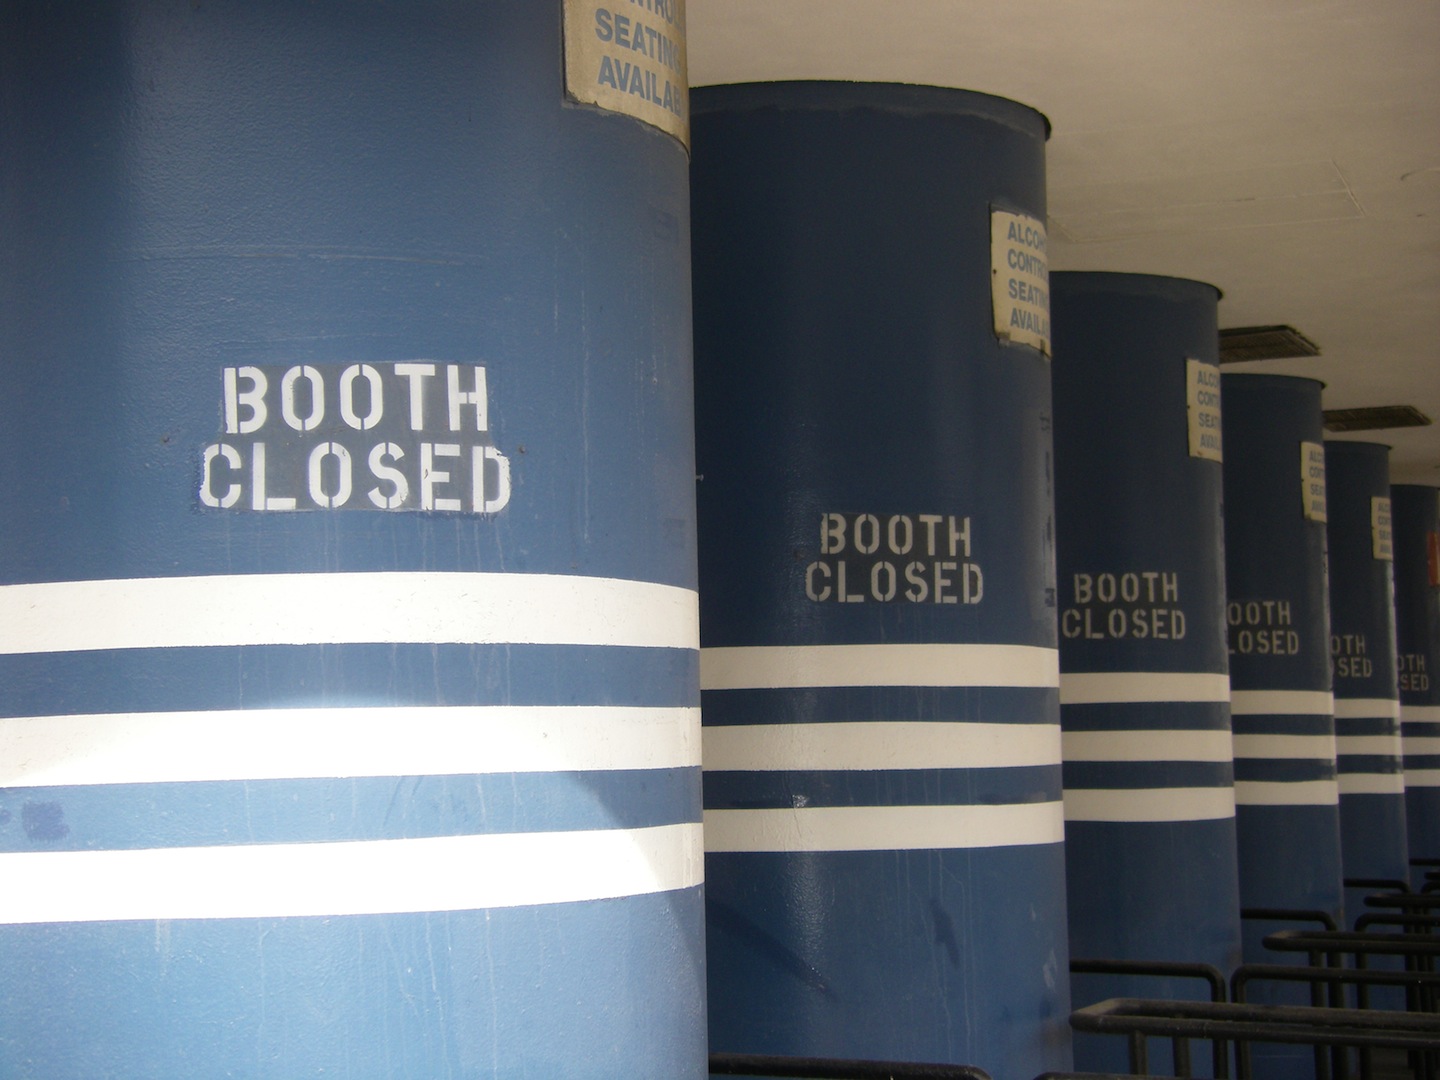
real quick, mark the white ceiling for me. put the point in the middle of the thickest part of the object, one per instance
(1287, 151)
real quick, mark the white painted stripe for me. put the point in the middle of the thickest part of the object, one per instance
(1123, 687)
(883, 828)
(1366, 708)
(1422, 778)
(441, 873)
(1147, 745)
(1149, 804)
(1420, 714)
(340, 609)
(275, 744)
(1285, 793)
(1298, 747)
(1420, 744)
(1282, 703)
(1372, 784)
(794, 666)
(892, 744)
(1353, 745)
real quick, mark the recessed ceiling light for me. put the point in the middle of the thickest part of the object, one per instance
(1264, 343)
(1375, 418)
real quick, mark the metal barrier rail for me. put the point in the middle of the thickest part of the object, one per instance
(1422, 987)
(1389, 884)
(1323, 1062)
(1420, 923)
(1181, 1021)
(1427, 982)
(1406, 901)
(1423, 947)
(740, 1065)
(1291, 915)
(1432, 873)
(1418, 950)
(1159, 968)
(1167, 969)
(818, 1068)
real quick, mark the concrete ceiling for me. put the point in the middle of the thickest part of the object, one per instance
(1287, 151)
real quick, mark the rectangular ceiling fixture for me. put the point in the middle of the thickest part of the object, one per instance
(1264, 343)
(1376, 418)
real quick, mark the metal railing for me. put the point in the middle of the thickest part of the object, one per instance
(1138, 1019)
(819, 1068)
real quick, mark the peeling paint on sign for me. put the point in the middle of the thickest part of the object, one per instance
(628, 56)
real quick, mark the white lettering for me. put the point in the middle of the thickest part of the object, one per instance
(259, 498)
(460, 397)
(877, 590)
(822, 593)
(930, 521)
(486, 500)
(898, 546)
(347, 397)
(867, 546)
(341, 494)
(431, 477)
(960, 537)
(317, 398)
(388, 474)
(416, 374)
(232, 493)
(919, 588)
(253, 399)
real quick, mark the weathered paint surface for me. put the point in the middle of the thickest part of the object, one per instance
(1369, 758)
(348, 726)
(1416, 511)
(1149, 784)
(883, 817)
(1282, 710)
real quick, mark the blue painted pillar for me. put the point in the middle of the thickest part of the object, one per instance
(1415, 511)
(1287, 818)
(1362, 653)
(1149, 785)
(348, 623)
(883, 821)
(1277, 612)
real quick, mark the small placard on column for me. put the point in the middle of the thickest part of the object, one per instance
(1381, 537)
(630, 58)
(1312, 480)
(1202, 402)
(1020, 279)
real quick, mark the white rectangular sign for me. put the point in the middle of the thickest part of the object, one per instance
(628, 56)
(1312, 480)
(1382, 541)
(1202, 401)
(1020, 279)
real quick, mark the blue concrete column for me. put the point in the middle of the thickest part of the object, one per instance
(1287, 817)
(348, 613)
(885, 875)
(1275, 513)
(1362, 652)
(1144, 691)
(1416, 515)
